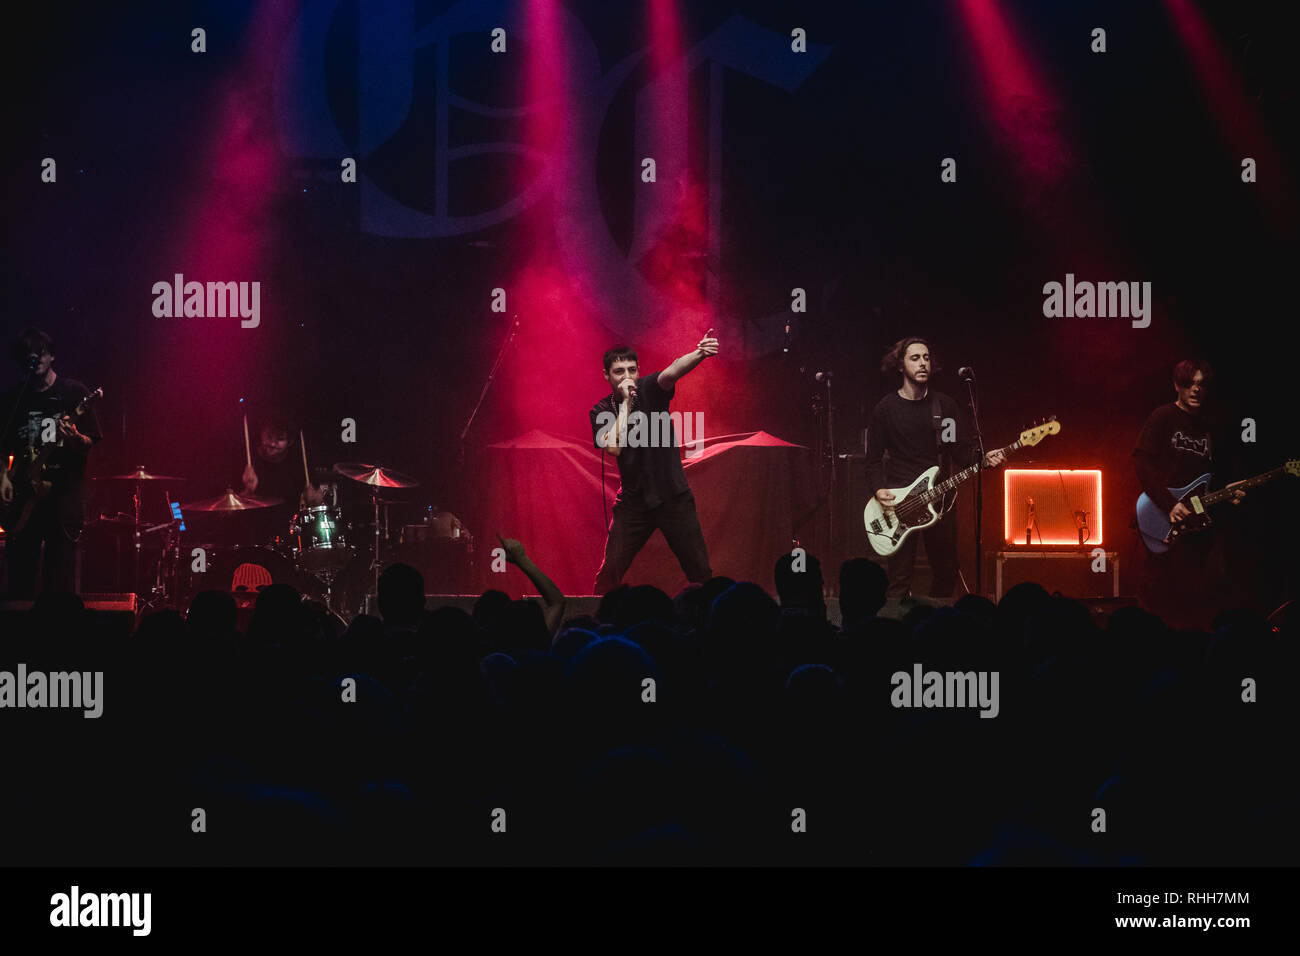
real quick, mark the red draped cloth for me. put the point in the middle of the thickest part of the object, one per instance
(754, 493)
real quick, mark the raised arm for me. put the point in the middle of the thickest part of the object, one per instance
(707, 346)
(552, 598)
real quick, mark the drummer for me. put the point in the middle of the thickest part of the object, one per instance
(275, 472)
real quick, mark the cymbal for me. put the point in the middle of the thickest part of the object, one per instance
(231, 502)
(140, 474)
(376, 476)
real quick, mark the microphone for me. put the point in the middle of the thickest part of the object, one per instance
(823, 376)
(33, 360)
(966, 373)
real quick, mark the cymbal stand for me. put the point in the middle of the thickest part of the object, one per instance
(378, 554)
(163, 588)
(326, 577)
(136, 501)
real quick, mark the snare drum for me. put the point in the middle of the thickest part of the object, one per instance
(318, 540)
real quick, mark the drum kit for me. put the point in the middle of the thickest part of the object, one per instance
(318, 546)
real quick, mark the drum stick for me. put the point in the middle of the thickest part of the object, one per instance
(248, 454)
(306, 475)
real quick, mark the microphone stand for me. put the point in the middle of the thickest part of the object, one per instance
(460, 455)
(979, 487)
(514, 329)
(827, 452)
(830, 450)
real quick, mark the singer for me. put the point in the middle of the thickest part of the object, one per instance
(906, 436)
(653, 492)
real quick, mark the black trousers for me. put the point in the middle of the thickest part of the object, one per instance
(631, 528)
(56, 524)
(940, 549)
(1188, 584)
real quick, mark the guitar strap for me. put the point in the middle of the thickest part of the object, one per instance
(936, 419)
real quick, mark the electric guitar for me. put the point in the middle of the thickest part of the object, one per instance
(1160, 534)
(28, 474)
(915, 506)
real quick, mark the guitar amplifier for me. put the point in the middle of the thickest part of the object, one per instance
(1051, 506)
(1070, 572)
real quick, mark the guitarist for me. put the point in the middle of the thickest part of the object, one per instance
(904, 439)
(57, 518)
(1175, 447)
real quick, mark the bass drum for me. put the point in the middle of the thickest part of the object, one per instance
(244, 571)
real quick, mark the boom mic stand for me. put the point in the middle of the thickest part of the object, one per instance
(830, 452)
(460, 454)
(827, 455)
(514, 330)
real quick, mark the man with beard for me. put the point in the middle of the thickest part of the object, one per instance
(903, 440)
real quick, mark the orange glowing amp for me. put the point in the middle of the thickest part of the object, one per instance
(1051, 506)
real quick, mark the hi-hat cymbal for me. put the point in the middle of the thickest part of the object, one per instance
(376, 476)
(231, 502)
(140, 474)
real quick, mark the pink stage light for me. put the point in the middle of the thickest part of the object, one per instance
(1233, 109)
(1022, 103)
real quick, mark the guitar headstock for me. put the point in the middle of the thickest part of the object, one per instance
(1032, 436)
(1293, 467)
(89, 400)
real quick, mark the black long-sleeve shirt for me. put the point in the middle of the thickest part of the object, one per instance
(1173, 448)
(907, 431)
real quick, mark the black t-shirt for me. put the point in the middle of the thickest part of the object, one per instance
(1173, 448)
(907, 430)
(653, 474)
(278, 479)
(66, 466)
(281, 479)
